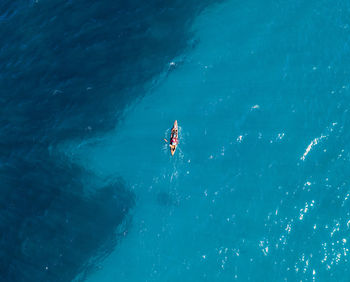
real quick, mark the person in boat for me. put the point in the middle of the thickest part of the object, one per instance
(174, 139)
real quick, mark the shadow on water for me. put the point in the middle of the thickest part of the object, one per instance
(167, 199)
(67, 71)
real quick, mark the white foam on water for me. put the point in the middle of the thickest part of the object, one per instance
(311, 145)
(317, 140)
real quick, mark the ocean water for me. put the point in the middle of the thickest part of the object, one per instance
(67, 70)
(258, 188)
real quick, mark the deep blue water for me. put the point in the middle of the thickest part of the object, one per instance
(258, 189)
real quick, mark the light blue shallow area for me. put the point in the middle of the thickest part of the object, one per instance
(259, 186)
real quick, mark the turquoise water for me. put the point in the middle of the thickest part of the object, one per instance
(258, 188)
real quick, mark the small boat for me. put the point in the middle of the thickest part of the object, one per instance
(174, 138)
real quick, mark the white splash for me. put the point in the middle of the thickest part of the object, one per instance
(280, 136)
(305, 209)
(264, 247)
(313, 143)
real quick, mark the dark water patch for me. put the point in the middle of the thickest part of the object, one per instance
(49, 226)
(167, 199)
(67, 70)
(60, 58)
